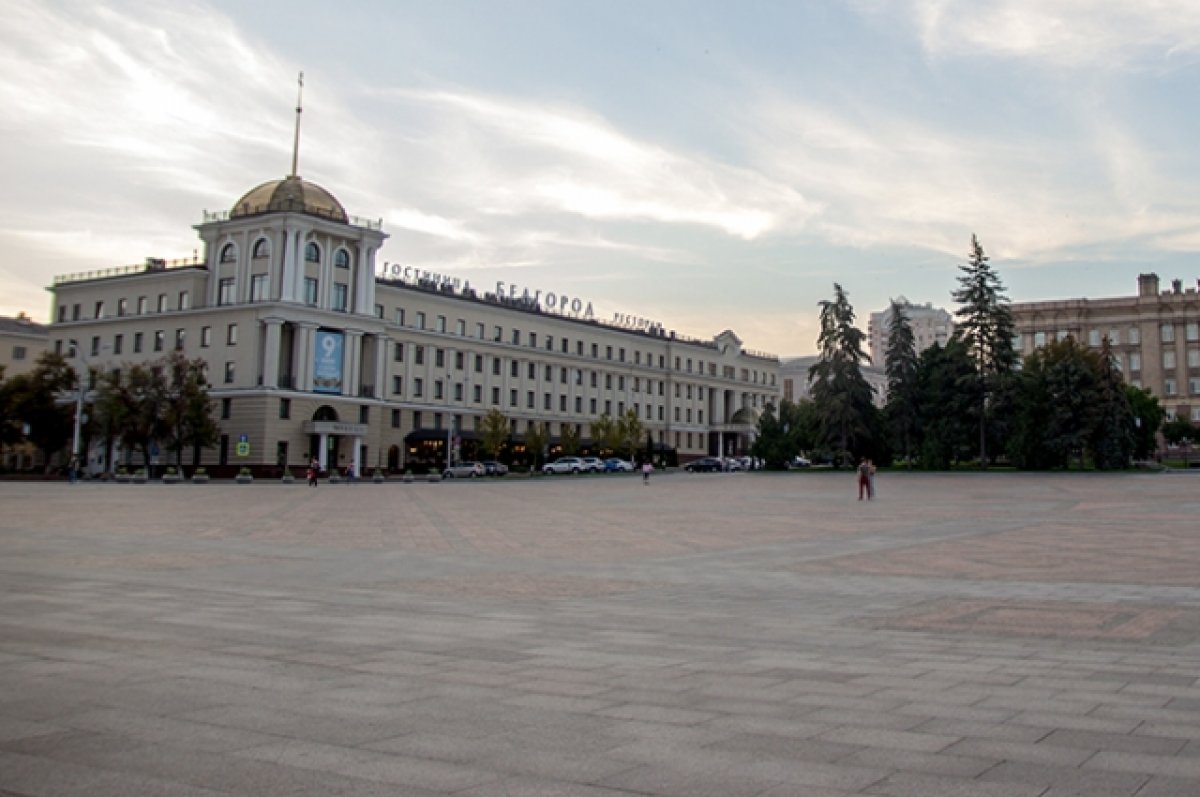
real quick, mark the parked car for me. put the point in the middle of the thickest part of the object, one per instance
(464, 470)
(617, 465)
(731, 464)
(800, 462)
(705, 464)
(493, 468)
(593, 464)
(564, 465)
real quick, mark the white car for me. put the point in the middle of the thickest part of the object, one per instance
(593, 464)
(464, 470)
(564, 465)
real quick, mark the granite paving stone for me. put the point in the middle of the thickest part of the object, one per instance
(968, 634)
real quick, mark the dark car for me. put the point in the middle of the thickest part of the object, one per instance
(705, 464)
(493, 468)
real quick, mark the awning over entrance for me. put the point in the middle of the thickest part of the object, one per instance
(336, 428)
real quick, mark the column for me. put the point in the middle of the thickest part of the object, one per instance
(357, 457)
(323, 454)
(350, 363)
(381, 347)
(302, 362)
(270, 366)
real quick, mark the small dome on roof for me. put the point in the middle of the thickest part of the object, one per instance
(291, 194)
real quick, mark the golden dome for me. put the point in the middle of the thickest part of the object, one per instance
(291, 194)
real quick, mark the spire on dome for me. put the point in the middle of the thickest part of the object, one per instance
(299, 110)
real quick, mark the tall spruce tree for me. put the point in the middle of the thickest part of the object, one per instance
(900, 365)
(1112, 440)
(986, 326)
(845, 411)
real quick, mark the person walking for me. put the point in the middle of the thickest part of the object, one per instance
(864, 479)
(314, 470)
(870, 478)
(647, 469)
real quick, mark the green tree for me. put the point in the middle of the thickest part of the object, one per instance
(131, 403)
(536, 438)
(570, 440)
(630, 430)
(33, 400)
(900, 365)
(945, 395)
(605, 434)
(1179, 430)
(494, 431)
(1112, 440)
(187, 408)
(1148, 416)
(1059, 405)
(986, 326)
(842, 396)
(784, 432)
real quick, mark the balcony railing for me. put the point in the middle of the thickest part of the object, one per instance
(151, 264)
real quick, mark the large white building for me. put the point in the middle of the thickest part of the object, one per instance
(315, 349)
(929, 324)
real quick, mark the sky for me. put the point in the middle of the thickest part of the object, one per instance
(704, 165)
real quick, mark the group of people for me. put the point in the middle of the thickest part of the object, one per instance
(866, 479)
(314, 472)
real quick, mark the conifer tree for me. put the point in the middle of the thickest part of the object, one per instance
(986, 326)
(845, 412)
(900, 365)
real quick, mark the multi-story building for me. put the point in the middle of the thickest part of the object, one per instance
(1154, 336)
(929, 324)
(311, 352)
(793, 377)
(22, 341)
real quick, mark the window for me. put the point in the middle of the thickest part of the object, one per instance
(231, 335)
(226, 408)
(99, 310)
(341, 259)
(516, 338)
(420, 320)
(512, 398)
(379, 311)
(437, 389)
(532, 371)
(340, 294)
(1191, 331)
(595, 379)
(1094, 338)
(1114, 337)
(1168, 360)
(141, 305)
(495, 366)
(479, 331)
(499, 333)
(596, 351)
(546, 401)
(224, 291)
(513, 369)
(479, 363)
(159, 339)
(364, 414)
(496, 396)
(185, 301)
(1196, 414)
(180, 337)
(1135, 336)
(122, 306)
(310, 291)
(417, 420)
(395, 419)
(397, 385)
(592, 406)
(477, 393)
(258, 287)
(229, 372)
(228, 253)
(1193, 356)
(137, 342)
(608, 381)
(312, 253)
(75, 312)
(1167, 333)
(533, 340)
(397, 352)
(458, 360)
(1039, 339)
(549, 373)
(460, 328)
(439, 358)
(621, 355)
(1170, 388)
(418, 387)
(205, 337)
(1135, 361)
(1194, 386)
(118, 340)
(549, 343)
(400, 316)
(285, 408)
(440, 324)
(261, 249)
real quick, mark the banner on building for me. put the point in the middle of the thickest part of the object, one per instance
(327, 362)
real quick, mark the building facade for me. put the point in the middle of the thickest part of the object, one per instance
(22, 341)
(1154, 336)
(929, 324)
(315, 350)
(793, 377)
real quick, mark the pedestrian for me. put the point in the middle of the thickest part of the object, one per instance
(350, 474)
(73, 469)
(864, 479)
(314, 470)
(647, 469)
(871, 478)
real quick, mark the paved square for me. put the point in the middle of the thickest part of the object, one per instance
(713, 634)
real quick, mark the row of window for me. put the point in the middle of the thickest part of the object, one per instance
(611, 353)
(159, 340)
(143, 304)
(259, 291)
(1133, 336)
(262, 249)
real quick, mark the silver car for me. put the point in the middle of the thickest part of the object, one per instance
(464, 470)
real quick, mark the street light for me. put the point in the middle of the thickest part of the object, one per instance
(78, 353)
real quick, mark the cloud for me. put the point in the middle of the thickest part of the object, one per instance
(1065, 33)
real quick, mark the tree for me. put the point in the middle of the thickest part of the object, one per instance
(629, 433)
(32, 400)
(1148, 416)
(1179, 430)
(1112, 440)
(842, 396)
(986, 326)
(187, 408)
(536, 438)
(605, 433)
(900, 365)
(945, 394)
(1058, 406)
(131, 402)
(494, 431)
(784, 433)
(570, 440)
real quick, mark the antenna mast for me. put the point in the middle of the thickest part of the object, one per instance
(299, 110)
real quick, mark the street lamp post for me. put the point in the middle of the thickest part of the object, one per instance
(79, 391)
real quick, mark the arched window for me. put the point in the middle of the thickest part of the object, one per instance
(312, 253)
(261, 248)
(342, 259)
(228, 253)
